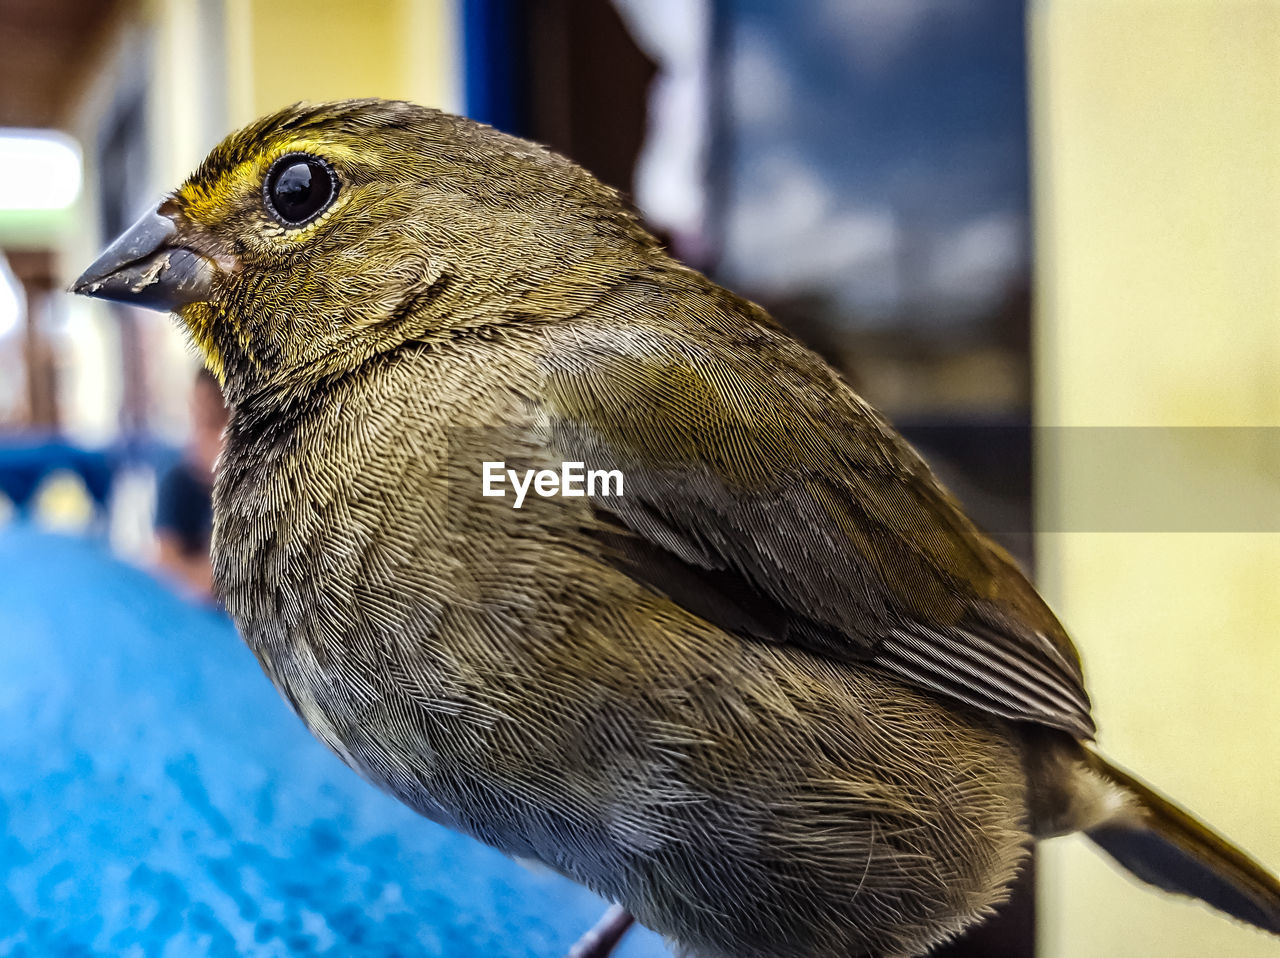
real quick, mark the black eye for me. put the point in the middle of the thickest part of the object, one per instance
(299, 188)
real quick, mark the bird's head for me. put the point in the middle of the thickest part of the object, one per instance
(322, 235)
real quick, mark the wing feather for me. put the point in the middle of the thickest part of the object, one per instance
(763, 494)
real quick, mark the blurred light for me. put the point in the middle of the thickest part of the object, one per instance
(11, 298)
(39, 170)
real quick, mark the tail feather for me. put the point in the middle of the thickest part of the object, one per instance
(1166, 847)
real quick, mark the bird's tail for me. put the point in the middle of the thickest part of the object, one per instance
(1162, 844)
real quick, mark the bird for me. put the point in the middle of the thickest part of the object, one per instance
(770, 691)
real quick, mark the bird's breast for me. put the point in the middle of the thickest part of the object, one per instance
(381, 591)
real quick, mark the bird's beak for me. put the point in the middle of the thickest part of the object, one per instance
(147, 266)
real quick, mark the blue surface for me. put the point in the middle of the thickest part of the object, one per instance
(158, 798)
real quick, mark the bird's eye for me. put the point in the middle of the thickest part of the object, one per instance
(299, 187)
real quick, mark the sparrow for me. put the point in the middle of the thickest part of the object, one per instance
(777, 698)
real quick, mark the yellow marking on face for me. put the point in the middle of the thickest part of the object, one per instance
(209, 204)
(199, 319)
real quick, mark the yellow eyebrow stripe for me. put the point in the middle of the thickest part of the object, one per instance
(207, 203)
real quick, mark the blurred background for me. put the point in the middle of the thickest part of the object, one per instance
(1043, 237)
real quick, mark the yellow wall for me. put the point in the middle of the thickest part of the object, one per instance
(1157, 165)
(282, 51)
(220, 65)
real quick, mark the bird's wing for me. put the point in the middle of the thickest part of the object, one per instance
(761, 493)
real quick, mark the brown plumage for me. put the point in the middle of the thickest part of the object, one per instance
(779, 698)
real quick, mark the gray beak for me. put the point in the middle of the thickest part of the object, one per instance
(145, 267)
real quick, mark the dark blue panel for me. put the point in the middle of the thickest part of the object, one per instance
(495, 63)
